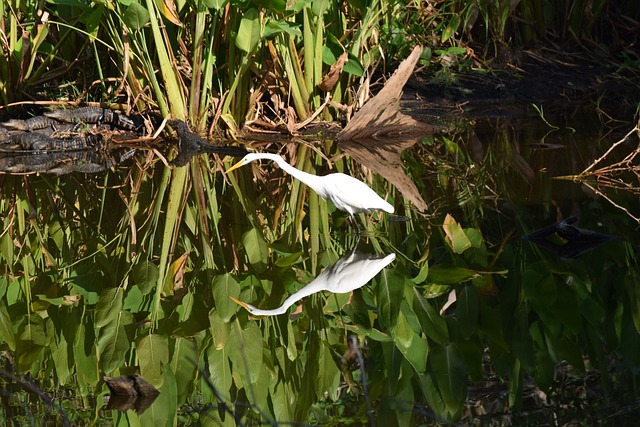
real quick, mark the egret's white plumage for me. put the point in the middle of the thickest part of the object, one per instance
(350, 272)
(346, 192)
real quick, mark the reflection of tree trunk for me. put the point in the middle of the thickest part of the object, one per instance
(385, 160)
(379, 132)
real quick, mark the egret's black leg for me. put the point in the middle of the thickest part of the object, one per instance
(354, 223)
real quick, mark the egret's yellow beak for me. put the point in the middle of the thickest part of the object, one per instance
(237, 301)
(234, 167)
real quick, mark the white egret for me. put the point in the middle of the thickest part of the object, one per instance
(350, 272)
(346, 192)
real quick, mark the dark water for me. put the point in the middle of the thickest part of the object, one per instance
(465, 321)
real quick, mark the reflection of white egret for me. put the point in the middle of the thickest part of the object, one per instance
(348, 273)
(346, 192)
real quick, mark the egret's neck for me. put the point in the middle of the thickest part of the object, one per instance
(313, 181)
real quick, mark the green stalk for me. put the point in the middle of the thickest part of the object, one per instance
(197, 65)
(168, 71)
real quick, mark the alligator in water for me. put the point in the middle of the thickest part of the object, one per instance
(30, 141)
(95, 115)
(53, 139)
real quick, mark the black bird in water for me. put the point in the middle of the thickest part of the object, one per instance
(576, 240)
(190, 144)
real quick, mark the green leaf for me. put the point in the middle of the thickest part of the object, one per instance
(85, 357)
(432, 322)
(328, 374)
(389, 293)
(450, 373)
(164, 411)
(136, 16)
(451, 28)
(245, 350)
(219, 330)
(249, 31)
(224, 287)
(31, 341)
(432, 395)
(256, 248)
(413, 347)
(6, 328)
(456, 238)
(88, 282)
(422, 274)
(184, 361)
(220, 370)
(353, 66)
(145, 275)
(153, 354)
(475, 237)
(273, 28)
(289, 260)
(447, 275)
(113, 343)
(467, 310)
(109, 307)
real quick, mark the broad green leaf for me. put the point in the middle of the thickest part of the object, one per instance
(475, 237)
(413, 347)
(451, 28)
(289, 260)
(85, 356)
(58, 345)
(136, 16)
(109, 307)
(273, 28)
(88, 282)
(6, 329)
(450, 373)
(256, 248)
(456, 238)
(145, 275)
(184, 360)
(282, 397)
(153, 354)
(358, 310)
(467, 310)
(353, 66)
(433, 396)
(389, 293)
(164, 410)
(432, 322)
(447, 275)
(219, 329)
(224, 287)
(31, 341)
(245, 350)
(422, 274)
(328, 374)
(220, 370)
(113, 343)
(249, 31)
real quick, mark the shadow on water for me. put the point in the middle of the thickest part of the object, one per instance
(453, 317)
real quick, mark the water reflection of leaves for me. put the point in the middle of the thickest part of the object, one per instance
(348, 273)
